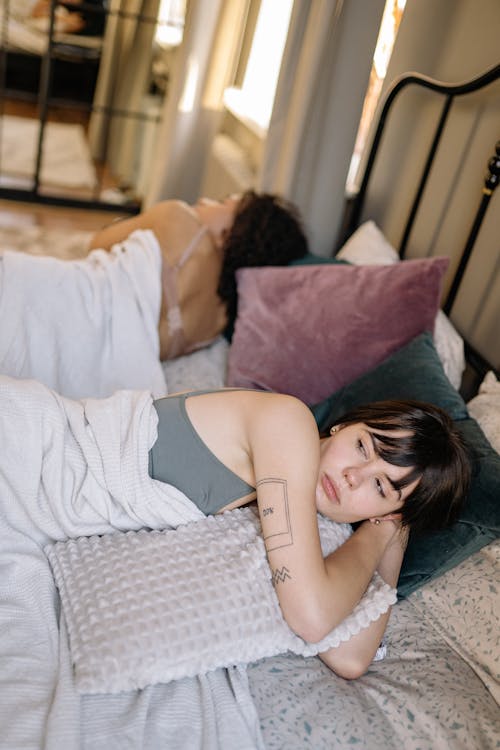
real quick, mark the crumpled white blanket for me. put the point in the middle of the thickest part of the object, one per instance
(84, 327)
(66, 469)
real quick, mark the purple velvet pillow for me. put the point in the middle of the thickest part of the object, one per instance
(309, 330)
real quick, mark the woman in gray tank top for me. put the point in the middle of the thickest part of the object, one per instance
(386, 467)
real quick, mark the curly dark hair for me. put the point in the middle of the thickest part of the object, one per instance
(267, 231)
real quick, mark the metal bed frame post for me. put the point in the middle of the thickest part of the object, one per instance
(44, 95)
(490, 183)
(450, 91)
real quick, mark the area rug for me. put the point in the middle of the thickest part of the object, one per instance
(18, 234)
(66, 159)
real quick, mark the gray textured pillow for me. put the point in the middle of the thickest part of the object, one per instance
(153, 606)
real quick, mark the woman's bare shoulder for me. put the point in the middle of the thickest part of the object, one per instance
(260, 407)
(282, 412)
(175, 209)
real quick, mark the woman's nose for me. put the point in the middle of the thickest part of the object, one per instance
(353, 477)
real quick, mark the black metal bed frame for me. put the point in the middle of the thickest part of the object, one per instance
(492, 178)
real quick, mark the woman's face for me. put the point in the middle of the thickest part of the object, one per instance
(218, 216)
(354, 482)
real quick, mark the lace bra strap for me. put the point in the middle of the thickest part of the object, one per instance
(169, 275)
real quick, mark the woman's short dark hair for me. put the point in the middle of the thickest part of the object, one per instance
(432, 448)
(266, 231)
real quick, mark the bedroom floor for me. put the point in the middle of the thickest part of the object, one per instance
(17, 214)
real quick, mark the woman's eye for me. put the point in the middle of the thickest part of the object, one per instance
(380, 487)
(362, 449)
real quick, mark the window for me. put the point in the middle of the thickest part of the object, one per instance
(391, 18)
(253, 101)
(170, 26)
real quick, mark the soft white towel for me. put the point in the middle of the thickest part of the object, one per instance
(84, 327)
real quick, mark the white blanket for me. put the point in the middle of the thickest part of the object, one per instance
(66, 469)
(84, 327)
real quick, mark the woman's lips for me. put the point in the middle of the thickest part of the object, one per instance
(330, 489)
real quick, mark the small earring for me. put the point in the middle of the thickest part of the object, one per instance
(377, 521)
(334, 429)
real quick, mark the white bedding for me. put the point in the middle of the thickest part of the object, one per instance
(436, 686)
(71, 468)
(436, 689)
(89, 327)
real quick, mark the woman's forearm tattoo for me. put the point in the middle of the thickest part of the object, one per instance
(280, 576)
(275, 512)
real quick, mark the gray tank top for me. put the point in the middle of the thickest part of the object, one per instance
(181, 458)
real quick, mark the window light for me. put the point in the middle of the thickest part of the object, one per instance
(391, 18)
(170, 25)
(253, 102)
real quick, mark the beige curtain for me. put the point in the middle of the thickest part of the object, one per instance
(124, 77)
(193, 108)
(318, 105)
(319, 99)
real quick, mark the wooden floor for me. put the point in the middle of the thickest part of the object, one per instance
(14, 213)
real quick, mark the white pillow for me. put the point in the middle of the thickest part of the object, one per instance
(153, 606)
(485, 408)
(368, 246)
(450, 348)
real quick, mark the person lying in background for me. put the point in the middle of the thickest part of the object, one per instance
(202, 247)
(152, 287)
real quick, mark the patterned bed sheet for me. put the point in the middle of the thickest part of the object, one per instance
(437, 688)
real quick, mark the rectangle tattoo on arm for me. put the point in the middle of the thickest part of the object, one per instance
(278, 531)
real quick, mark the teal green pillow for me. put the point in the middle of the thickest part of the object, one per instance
(430, 555)
(415, 371)
(310, 259)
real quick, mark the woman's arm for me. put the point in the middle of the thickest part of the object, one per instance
(119, 230)
(315, 594)
(173, 222)
(352, 658)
